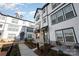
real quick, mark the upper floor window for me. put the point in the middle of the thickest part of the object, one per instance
(64, 14)
(44, 20)
(2, 17)
(11, 36)
(13, 27)
(60, 16)
(69, 11)
(38, 17)
(14, 20)
(29, 29)
(0, 25)
(53, 19)
(55, 5)
(43, 10)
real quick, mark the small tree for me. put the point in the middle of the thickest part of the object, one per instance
(22, 35)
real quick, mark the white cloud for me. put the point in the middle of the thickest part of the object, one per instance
(32, 13)
(8, 5)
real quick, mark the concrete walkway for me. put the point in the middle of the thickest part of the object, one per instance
(25, 51)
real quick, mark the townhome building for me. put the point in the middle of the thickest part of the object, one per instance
(59, 22)
(11, 27)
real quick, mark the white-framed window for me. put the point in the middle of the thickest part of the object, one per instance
(14, 20)
(65, 13)
(29, 29)
(29, 35)
(60, 16)
(1, 32)
(38, 17)
(43, 10)
(69, 35)
(11, 36)
(2, 17)
(69, 11)
(66, 35)
(1, 25)
(12, 27)
(59, 36)
(53, 19)
(44, 20)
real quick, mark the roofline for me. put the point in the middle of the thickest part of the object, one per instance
(45, 5)
(16, 17)
(37, 11)
(41, 8)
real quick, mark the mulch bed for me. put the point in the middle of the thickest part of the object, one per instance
(15, 51)
(4, 49)
(43, 50)
(30, 44)
(46, 51)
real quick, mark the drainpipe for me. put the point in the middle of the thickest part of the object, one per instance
(48, 25)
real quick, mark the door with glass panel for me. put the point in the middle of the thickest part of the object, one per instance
(46, 40)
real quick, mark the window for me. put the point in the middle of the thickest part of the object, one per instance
(38, 17)
(65, 13)
(55, 5)
(69, 35)
(43, 10)
(69, 11)
(53, 19)
(66, 35)
(11, 36)
(12, 27)
(29, 29)
(60, 16)
(44, 20)
(0, 25)
(2, 17)
(14, 20)
(29, 35)
(1, 32)
(59, 35)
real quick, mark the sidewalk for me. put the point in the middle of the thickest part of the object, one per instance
(25, 51)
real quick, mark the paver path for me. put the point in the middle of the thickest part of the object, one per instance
(25, 51)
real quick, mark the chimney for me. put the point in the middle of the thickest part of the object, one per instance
(18, 15)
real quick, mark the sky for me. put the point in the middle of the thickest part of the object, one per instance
(25, 9)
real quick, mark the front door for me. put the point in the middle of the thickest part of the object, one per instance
(46, 40)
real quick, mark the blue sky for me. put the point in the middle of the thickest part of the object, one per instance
(25, 9)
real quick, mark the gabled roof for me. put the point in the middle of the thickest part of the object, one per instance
(40, 8)
(37, 11)
(15, 17)
(45, 5)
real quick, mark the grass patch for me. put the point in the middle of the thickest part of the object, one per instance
(15, 51)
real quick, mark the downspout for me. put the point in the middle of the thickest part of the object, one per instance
(48, 25)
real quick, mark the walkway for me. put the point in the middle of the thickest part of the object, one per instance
(25, 51)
